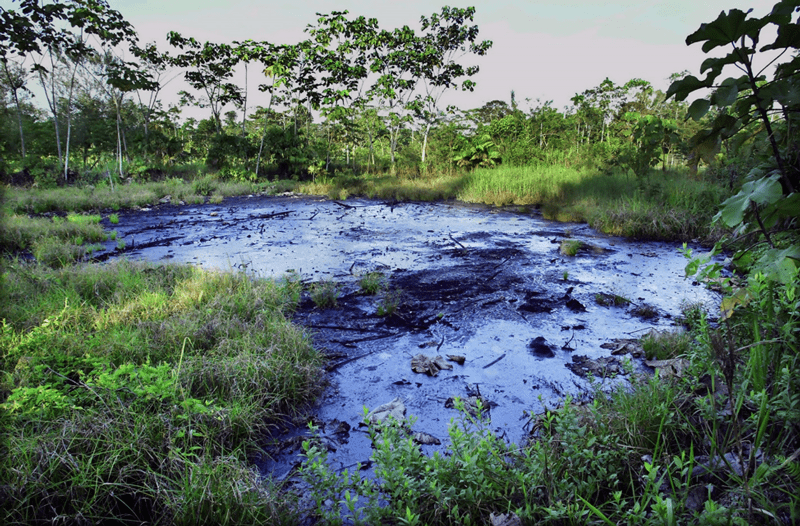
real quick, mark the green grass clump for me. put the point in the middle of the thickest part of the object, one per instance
(84, 219)
(113, 219)
(666, 344)
(97, 198)
(611, 299)
(569, 247)
(372, 282)
(135, 393)
(390, 302)
(325, 294)
(645, 311)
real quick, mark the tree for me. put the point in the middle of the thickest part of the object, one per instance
(340, 50)
(392, 61)
(755, 106)
(444, 38)
(14, 79)
(42, 28)
(490, 112)
(210, 68)
(157, 66)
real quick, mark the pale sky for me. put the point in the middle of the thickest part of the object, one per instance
(548, 50)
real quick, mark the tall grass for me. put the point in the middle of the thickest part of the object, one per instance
(663, 206)
(135, 393)
(102, 197)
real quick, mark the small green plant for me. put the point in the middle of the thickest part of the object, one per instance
(120, 244)
(113, 219)
(611, 299)
(292, 283)
(91, 249)
(692, 314)
(569, 247)
(565, 276)
(645, 311)
(325, 293)
(372, 282)
(390, 302)
(56, 253)
(113, 235)
(205, 185)
(83, 219)
(663, 345)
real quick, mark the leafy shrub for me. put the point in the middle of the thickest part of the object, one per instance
(204, 186)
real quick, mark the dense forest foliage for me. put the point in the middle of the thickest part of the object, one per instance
(352, 98)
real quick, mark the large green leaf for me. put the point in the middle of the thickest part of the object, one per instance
(699, 108)
(780, 264)
(727, 28)
(785, 91)
(726, 93)
(716, 64)
(763, 191)
(788, 34)
(683, 87)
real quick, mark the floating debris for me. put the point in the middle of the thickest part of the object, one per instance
(673, 367)
(426, 440)
(505, 519)
(602, 367)
(575, 305)
(431, 366)
(395, 409)
(624, 346)
(457, 358)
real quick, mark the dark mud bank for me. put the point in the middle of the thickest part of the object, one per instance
(489, 287)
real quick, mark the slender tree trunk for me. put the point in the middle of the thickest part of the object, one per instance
(308, 122)
(16, 84)
(264, 131)
(244, 104)
(371, 150)
(69, 121)
(425, 141)
(117, 103)
(51, 101)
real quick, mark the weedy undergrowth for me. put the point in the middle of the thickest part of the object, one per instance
(390, 301)
(135, 393)
(372, 282)
(569, 247)
(325, 293)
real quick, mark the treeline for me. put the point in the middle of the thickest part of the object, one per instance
(352, 97)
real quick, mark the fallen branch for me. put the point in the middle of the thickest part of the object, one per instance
(492, 363)
(272, 215)
(566, 346)
(456, 242)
